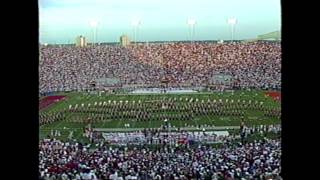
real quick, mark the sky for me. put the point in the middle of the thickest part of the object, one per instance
(60, 21)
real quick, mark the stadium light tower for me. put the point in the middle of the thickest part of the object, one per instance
(192, 23)
(232, 22)
(94, 25)
(135, 23)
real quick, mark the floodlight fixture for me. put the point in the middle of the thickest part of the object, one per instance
(94, 23)
(232, 21)
(136, 22)
(191, 22)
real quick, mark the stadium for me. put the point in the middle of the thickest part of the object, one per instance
(197, 109)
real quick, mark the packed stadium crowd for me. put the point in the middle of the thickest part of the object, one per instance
(250, 64)
(181, 154)
(71, 160)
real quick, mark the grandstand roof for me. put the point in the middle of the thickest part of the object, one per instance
(276, 35)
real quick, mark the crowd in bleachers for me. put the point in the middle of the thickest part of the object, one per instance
(254, 64)
(71, 160)
(251, 65)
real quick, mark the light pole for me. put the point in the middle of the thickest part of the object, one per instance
(191, 23)
(135, 23)
(94, 25)
(232, 21)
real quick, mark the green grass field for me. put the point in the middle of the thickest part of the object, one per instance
(251, 117)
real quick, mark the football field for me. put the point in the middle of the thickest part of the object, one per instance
(251, 117)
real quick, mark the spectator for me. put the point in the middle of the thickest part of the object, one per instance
(251, 65)
(258, 159)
